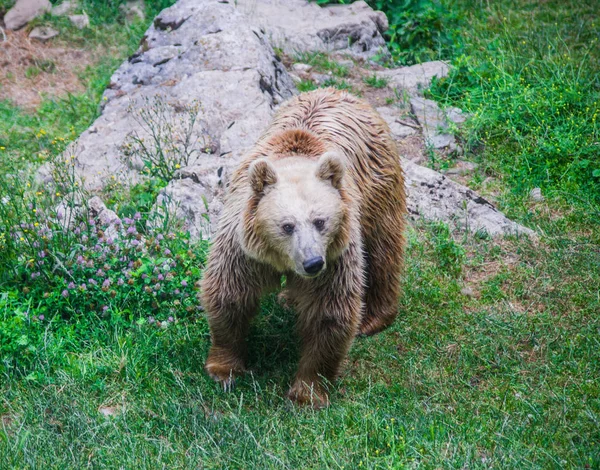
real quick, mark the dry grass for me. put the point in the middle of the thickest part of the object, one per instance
(30, 69)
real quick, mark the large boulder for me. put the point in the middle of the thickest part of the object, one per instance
(301, 25)
(218, 54)
(24, 11)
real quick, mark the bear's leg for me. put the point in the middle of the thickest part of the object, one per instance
(231, 290)
(328, 318)
(384, 246)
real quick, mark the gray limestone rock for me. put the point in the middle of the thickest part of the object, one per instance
(80, 21)
(43, 33)
(433, 196)
(217, 54)
(64, 8)
(415, 77)
(536, 195)
(300, 25)
(434, 122)
(400, 128)
(24, 11)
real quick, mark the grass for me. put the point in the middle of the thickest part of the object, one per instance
(375, 82)
(493, 362)
(531, 85)
(323, 63)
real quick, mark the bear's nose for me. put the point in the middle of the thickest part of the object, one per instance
(313, 265)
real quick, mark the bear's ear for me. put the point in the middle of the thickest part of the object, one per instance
(261, 174)
(331, 168)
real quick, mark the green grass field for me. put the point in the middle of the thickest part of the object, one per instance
(494, 361)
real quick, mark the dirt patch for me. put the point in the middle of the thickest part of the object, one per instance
(30, 69)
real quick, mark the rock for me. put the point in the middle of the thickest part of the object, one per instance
(321, 78)
(433, 196)
(64, 8)
(462, 167)
(347, 63)
(536, 195)
(301, 25)
(295, 78)
(209, 51)
(415, 77)
(467, 291)
(80, 21)
(456, 115)
(205, 51)
(133, 10)
(67, 214)
(433, 122)
(24, 11)
(192, 200)
(43, 33)
(398, 127)
(298, 67)
(107, 219)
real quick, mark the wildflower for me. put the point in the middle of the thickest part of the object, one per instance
(171, 319)
(105, 308)
(144, 276)
(160, 236)
(127, 221)
(93, 282)
(177, 292)
(137, 216)
(135, 242)
(41, 317)
(71, 285)
(161, 277)
(157, 286)
(100, 273)
(131, 230)
(151, 320)
(167, 252)
(120, 282)
(83, 287)
(184, 283)
(106, 284)
(65, 293)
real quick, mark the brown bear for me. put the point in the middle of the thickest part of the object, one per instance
(320, 199)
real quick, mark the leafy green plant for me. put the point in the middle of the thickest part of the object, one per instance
(66, 265)
(375, 82)
(170, 139)
(534, 111)
(419, 30)
(321, 62)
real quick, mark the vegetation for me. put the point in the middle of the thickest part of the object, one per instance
(493, 363)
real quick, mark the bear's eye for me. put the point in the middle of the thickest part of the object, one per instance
(288, 228)
(319, 223)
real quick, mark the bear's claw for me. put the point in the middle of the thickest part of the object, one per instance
(303, 393)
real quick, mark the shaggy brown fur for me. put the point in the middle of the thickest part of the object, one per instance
(358, 292)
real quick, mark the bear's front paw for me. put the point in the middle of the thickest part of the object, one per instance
(308, 393)
(372, 326)
(223, 368)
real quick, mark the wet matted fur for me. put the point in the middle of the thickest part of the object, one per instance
(326, 161)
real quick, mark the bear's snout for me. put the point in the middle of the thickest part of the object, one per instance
(314, 265)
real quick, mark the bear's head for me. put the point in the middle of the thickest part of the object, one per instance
(297, 215)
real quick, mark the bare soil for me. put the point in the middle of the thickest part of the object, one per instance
(30, 69)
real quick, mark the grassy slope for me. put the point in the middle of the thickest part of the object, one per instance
(505, 378)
